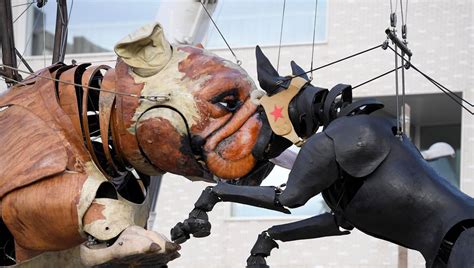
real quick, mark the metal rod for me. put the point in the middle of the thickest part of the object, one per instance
(8, 41)
(23, 60)
(397, 94)
(403, 97)
(399, 43)
(60, 34)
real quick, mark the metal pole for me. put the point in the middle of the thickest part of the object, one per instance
(60, 34)
(8, 42)
(402, 251)
(153, 190)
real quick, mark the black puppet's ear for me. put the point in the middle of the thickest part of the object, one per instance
(268, 77)
(298, 71)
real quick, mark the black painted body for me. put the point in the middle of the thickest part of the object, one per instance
(403, 200)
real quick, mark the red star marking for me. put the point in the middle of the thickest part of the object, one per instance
(277, 113)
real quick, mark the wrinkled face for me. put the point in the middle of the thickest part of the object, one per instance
(209, 125)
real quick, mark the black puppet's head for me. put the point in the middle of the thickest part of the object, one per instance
(301, 108)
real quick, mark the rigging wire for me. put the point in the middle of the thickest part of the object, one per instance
(458, 99)
(156, 98)
(23, 12)
(399, 133)
(44, 40)
(396, 6)
(239, 62)
(377, 77)
(404, 36)
(314, 35)
(35, 24)
(24, 4)
(329, 64)
(281, 33)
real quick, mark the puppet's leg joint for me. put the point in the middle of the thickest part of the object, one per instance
(260, 250)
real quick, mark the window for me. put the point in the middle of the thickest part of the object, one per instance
(447, 167)
(252, 22)
(278, 176)
(95, 26)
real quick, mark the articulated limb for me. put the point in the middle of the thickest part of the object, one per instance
(307, 179)
(198, 223)
(326, 224)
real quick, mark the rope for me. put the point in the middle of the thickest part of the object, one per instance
(403, 98)
(24, 4)
(281, 33)
(21, 14)
(239, 62)
(156, 98)
(44, 40)
(377, 77)
(458, 99)
(329, 64)
(35, 24)
(314, 36)
(397, 95)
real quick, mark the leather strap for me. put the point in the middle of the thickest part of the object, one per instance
(276, 109)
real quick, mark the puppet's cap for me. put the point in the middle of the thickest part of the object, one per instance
(146, 50)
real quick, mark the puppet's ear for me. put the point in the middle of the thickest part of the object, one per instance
(146, 50)
(268, 77)
(297, 70)
(199, 45)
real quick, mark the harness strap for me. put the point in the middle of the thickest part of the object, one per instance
(330, 105)
(276, 109)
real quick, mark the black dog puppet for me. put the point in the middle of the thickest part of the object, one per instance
(370, 177)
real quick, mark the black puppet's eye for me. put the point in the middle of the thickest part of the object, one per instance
(227, 100)
(231, 104)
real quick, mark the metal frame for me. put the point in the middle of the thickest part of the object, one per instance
(8, 43)
(60, 35)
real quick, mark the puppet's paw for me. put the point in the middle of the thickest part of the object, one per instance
(256, 262)
(197, 224)
(135, 246)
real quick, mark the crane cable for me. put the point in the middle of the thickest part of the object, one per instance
(314, 36)
(404, 37)
(239, 62)
(281, 33)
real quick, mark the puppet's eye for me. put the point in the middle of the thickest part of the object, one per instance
(230, 104)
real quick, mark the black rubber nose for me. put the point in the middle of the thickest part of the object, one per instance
(197, 142)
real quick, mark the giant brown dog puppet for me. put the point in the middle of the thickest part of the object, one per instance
(79, 144)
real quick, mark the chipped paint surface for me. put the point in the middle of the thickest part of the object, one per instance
(88, 192)
(118, 215)
(173, 83)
